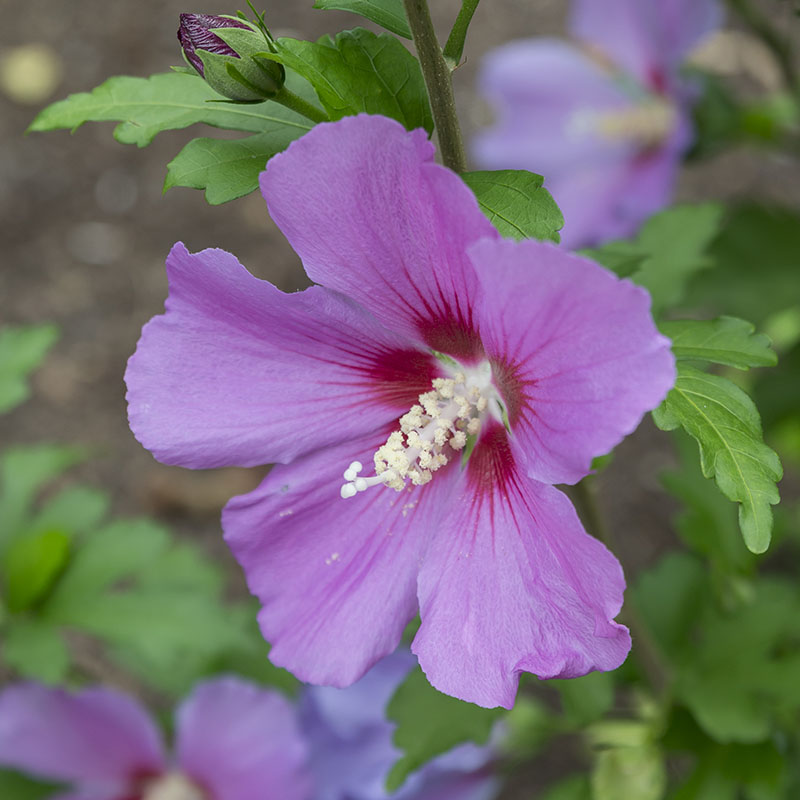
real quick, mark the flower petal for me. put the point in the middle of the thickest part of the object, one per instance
(648, 38)
(349, 735)
(241, 742)
(371, 215)
(512, 584)
(238, 373)
(336, 577)
(575, 353)
(92, 735)
(550, 99)
(545, 92)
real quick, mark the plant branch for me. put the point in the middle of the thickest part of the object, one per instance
(454, 48)
(300, 106)
(645, 647)
(780, 45)
(439, 82)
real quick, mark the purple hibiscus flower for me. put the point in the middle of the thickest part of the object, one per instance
(233, 741)
(351, 750)
(607, 125)
(429, 337)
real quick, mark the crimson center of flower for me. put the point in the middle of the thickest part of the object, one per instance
(173, 786)
(443, 421)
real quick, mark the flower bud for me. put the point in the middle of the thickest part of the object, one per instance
(229, 53)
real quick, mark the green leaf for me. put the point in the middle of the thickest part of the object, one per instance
(31, 565)
(708, 522)
(622, 258)
(167, 101)
(726, 340)
(669, 597)
(389, 14)
(430, 723)
(755, 261)
(516, 203)
(76, 509)
(725, 424)
(15, 786)
(227, 168)
(361, 72)
(23, 473)
(722, 772)
(34, 649)
(670, 248)
(676, 242)
(21, 351)
(628, 772)
(576, 787)
(742, 678)
(585, 699)
(111, 554)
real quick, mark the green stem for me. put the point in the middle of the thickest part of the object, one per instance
(780, 45)
(645, 648)
(302, 107)
(454, 48)
(439, 83)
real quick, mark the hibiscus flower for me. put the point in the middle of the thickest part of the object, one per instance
(608, 123)
(420, 403)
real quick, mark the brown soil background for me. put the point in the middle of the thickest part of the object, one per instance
(86, 229)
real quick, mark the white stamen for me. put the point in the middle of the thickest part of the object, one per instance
(445, 417)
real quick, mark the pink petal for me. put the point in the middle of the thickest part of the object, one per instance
(92, 735)
(371, 215)
(237, 372)
(241, 742)
(336, 577)
(575, 353)
(648, 38)
(512, 584)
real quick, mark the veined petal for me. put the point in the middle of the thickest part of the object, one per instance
(512, 584)
(648, 38)
(93, 735)
(336, 577)
(575, 353)
(238, 373)
(371, 215)
(242, 742)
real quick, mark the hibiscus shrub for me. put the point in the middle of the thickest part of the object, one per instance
(429, 550)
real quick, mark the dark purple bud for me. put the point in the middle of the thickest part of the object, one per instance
(194, 34)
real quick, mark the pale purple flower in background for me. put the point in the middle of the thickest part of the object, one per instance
(351, 750)
(233, 741)
(428, 333)
(608, 124)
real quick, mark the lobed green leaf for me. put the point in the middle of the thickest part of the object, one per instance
(725, 423)
(227, 168)
(516, 203)
(670, 249)
(34, 649)
(145, 107)
(726, 340)
(389, 14)
(360, 71)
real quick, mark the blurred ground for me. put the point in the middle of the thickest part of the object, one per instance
(86, 230)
